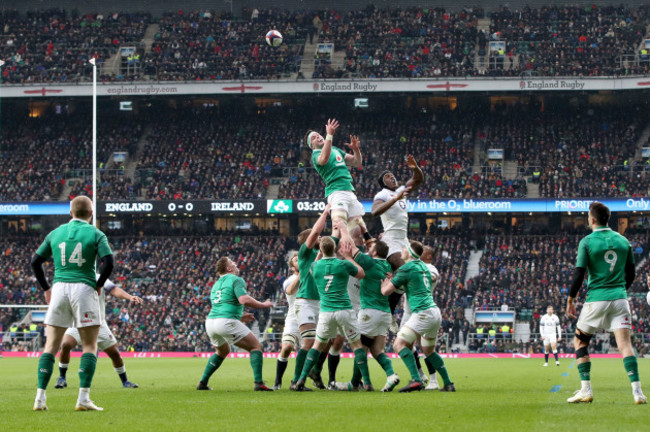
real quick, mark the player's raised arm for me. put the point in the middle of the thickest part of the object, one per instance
(418, 176)
(355, 159)
(119, 293)
(347, 251)
(293, 286)
(379, 207)
(318, 228)
(326, 151)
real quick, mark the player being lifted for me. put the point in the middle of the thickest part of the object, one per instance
(549, 327)
(332, 163)
(74, 298)
(224, 323)
(414, 277)
(105, 341)
(607, 256)
(307, 304)
(336, 315)
(291, 333)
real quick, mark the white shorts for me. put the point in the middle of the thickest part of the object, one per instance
(73, 305)
(343, 322)
(426, 323)
(291, 333)
(105, 340)
(396, 241)
(607, 315)
(354, 292)
(307, 311)
(225, 330)
(406, 315)
(348, 201)
(549, 339)
(373, 322)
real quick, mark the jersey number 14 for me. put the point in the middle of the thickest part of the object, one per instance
(75, 258)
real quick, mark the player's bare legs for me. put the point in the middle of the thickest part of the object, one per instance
(283, 360)
(67, 345)
(334, 358)
(378, 350)
(581, 345)
(118, 364)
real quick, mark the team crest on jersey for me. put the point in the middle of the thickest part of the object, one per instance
(402, 204)
(338, 157)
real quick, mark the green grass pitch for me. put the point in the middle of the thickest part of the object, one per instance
(493, 395)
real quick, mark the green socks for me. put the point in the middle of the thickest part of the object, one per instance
(300, 362)
(409, 360)
(356, 375)
(439, 365)
(318, 367)
(256, 363)
(213, 364)
(584, 369)
(361, 359)
(632, 368)
(386, 364)
(86, 369)
(45, 370)
(312, 358)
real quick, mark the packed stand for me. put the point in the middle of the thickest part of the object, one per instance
(573, 152)
(569, 40)
(212, 45)
(54, 46)
(400, 43)
(173, 277)
(202, 157)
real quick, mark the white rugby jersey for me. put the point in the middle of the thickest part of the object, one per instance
(396, 217)
(549, 324)
(291, 298)
(108, 287)
(435, 275)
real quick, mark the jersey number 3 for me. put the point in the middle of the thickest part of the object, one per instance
(75, 258)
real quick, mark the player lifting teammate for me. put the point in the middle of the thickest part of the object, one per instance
(336, 315)
(415, 279)
(549, 328)
(607, 256)
(74, 298)
(291, 333)
(105, 341)
(224, 323)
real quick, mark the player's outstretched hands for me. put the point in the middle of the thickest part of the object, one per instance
(136, 300)
(411, 162)
(247, 317)
(354, 143)
(267, 304)
(331, 126)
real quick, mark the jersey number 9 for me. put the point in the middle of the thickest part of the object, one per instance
(610, 258)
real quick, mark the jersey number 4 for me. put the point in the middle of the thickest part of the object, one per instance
(75, 258)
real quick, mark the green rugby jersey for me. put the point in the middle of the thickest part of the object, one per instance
(74, 248)
(307, 288)
(335, 172)
(224, 297)
(376, 269)
(415, 278)
(604, 253)
(331, 278)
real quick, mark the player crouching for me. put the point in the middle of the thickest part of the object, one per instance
(224, 323)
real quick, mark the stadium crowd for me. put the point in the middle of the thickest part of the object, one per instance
(54, 45)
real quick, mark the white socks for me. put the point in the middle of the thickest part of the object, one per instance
(40, 394)
(120, 370)
(586, 386)
(335, 352)
(64, 365)
(636, 387)
(283, 360)
(84, 395)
